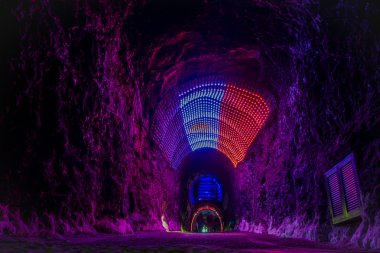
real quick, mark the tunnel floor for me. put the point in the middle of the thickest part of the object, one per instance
(168, 242)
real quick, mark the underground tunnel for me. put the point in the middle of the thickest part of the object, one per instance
(190, 126)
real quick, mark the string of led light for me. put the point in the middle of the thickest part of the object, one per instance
(209, 113)
(210, 208)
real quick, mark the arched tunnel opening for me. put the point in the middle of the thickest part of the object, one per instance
(207, 179)
(205, 126)
(206, 219)
(189, 125)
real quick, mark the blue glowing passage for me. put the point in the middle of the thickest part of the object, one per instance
(206, 189)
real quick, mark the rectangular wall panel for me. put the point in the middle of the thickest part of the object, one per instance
(350, 187)
(343, 190)
(335, 194)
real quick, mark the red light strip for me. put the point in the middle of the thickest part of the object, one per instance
(245, 111)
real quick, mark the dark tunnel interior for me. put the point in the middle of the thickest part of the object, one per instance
(177, 126)
(212, 170)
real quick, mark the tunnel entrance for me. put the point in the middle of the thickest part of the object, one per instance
(205, 126)
(206, 219)
(207, 196)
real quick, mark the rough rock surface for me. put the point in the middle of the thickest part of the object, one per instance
(76, 155)
(75, 118)
(330, 108)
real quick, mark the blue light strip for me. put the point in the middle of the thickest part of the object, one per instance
(209, 189)
(200, 107)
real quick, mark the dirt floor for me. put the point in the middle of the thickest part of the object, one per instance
(168, 242)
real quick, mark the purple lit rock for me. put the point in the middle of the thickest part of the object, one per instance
(76, 110)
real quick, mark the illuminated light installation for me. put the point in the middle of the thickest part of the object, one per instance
(205, 189)
(200, 107)
(209, 189)
(199, 211)
(245, 111)
(210, 113)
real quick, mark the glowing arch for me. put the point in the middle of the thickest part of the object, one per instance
(210, 208)
(210, 113)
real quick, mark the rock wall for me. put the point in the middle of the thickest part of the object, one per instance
(76, 154)
(331, 108)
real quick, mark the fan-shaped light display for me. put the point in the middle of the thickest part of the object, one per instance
(209, 113)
